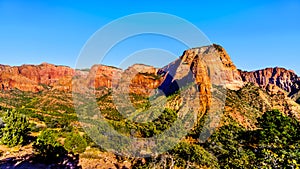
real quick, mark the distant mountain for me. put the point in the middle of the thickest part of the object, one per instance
(142, 79)
(44, 94)
(267, 78)
(46, 76)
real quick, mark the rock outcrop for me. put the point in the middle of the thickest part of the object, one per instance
(210, 65)
(142, 79)
(46, 76)
(287, 80)
(33, 78)
(206, 67)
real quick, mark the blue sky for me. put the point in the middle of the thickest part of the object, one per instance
(256, 33)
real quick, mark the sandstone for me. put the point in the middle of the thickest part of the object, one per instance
(208, 65)
(283, 78)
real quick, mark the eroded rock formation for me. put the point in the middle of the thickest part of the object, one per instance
(285, 79)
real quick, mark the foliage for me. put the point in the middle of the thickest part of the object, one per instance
(278, 141)
(48, 148)
(274, 145)
(225, 145)
(187, 154)
(1, 126)
(15, 130)
(149, 129)
(75, 143)
(277, 128)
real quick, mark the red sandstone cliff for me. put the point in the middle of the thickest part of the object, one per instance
(142, 79)
(280, 77)
(45, 76)
(33, 78)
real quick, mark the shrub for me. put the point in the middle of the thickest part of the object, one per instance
(277, 128)
(278, 141)
(192, 153)
(225, 144)
(47, 148)
(15, 129)
(75, 143)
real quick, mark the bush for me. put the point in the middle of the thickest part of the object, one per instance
(75, 143)
(275, 144)
(278, 141)
(226, 145)
(277, 128)
(15, 130)
(192, 153)
(47, 148)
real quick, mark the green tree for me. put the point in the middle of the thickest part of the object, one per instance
(48, 148)
(192, 154)
(75, 143)
(15, 130)
(277, 128)
(278, 141)
(226, 145)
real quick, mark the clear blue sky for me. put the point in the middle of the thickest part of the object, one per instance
(256, 33)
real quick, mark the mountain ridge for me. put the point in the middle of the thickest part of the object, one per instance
(44, 94)
(268, 78)
(45, 76)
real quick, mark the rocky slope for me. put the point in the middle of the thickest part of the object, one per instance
(206, 67)
(270, 78)
(46, 76)
(250, 102)
(45, 90)
(209, 65)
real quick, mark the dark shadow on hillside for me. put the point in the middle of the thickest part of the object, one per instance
(33, 162)
(170, 85)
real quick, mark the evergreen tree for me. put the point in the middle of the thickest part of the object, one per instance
(15, 130)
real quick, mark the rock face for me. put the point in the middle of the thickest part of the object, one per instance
(209, 65)
(284, 79)
(142, 79)
(45, 76)
(221, 69)
(206, 67)
(101, 76)
(33, 78)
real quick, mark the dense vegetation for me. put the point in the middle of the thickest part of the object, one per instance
(75, 143)
(275, 144)
(48, 148)
(54, 133)
(15, 129)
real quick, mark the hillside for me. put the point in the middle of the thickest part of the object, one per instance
(45, 94)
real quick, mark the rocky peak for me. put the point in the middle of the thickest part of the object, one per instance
(204, 66)
(221, 69)
(283, 78)
(142, 68)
